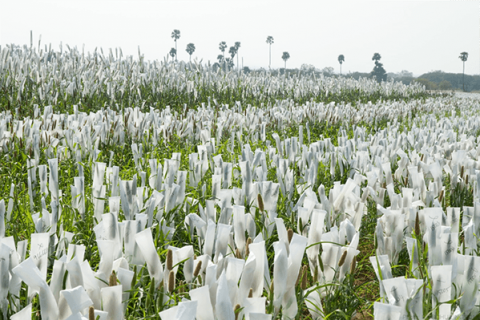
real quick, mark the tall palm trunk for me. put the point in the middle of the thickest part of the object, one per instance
(269, 55)
(176, 50)
(463, 76)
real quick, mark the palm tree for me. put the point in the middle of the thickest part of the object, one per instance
(463, 56)
(376, 56)
(222, 46)
(341, 59)
(237, 46)
(190, 50)
(176, 36)
(378, 71)
(216, 66)
(232, 51)
(229, 63)
(270, 42)
(173, 53)
(285, 57)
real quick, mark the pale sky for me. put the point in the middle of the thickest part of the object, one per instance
(418, 36)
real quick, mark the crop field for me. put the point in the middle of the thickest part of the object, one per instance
(132, 189)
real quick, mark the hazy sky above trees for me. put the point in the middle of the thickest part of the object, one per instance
(418, 36)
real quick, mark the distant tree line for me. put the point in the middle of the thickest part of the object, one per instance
(224, 63)
(432, 81)
(439, 80)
